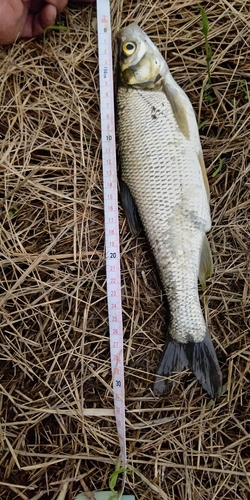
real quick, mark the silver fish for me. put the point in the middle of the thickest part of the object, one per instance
(163, 176)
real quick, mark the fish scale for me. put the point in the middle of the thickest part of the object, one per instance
(159, 168)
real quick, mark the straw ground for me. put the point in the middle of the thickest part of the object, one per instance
(57, 428)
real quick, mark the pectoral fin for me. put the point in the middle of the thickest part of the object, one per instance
(206, 263)
(130, 209)
(178, 108)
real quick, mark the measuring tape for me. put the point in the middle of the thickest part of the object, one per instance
(111, 218)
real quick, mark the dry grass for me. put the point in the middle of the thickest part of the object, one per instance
(57, 426)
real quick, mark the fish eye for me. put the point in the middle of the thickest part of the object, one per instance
(128, 48)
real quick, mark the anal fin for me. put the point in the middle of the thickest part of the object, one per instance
(206, 263)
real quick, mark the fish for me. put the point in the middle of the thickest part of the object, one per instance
(164, 187)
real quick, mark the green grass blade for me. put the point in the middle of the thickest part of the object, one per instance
(205, 23)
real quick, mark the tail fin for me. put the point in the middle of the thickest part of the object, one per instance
(199, 357)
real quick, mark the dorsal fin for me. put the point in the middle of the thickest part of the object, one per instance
(204, 173)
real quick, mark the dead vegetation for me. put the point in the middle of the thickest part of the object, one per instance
(57, 426)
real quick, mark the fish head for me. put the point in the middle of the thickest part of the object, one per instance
(140, 62)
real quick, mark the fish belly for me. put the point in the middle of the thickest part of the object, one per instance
(161, 168)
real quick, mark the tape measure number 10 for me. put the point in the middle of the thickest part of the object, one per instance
(111, 218)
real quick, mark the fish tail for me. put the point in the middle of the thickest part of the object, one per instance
(199, 357)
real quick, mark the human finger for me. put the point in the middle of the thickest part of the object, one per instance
(37, 23)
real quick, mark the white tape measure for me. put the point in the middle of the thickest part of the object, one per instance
(111, 218)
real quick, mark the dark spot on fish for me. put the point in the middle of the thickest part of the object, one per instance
(156, 112)
(153, 113)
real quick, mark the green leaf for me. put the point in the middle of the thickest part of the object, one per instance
(202, 124)
(217, 171)
(114, 476)
(54, 27)
(13, 211)
(208, 98)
